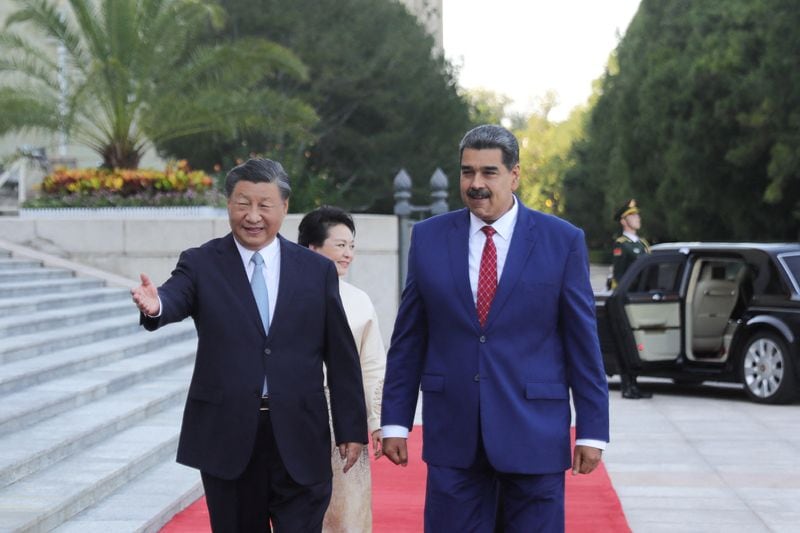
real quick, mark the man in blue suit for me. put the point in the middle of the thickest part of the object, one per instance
(496, 326)
(268, 315)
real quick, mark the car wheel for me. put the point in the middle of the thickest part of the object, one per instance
(766, 369)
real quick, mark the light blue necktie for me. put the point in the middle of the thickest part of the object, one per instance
(259, 287)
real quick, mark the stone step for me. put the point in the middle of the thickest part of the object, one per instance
(26, 288)
(7, 263)
(33, 344)
(22, 409)
(44, 302)
(35, 370)
(32, 274)
(144, 504)
(90, 406)
(75, 316)
(47, 499)
(32, 449)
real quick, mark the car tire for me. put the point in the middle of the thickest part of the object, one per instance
(767, 369)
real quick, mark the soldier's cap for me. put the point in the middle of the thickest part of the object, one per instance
(629, 208)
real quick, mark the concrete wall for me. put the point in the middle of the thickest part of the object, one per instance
(129, 246)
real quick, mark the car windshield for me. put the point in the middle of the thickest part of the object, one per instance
(791, 262)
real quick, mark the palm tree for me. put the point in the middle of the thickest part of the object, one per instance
(139, 72)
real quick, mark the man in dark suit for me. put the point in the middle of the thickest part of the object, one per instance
(268, 315)
(497, 327)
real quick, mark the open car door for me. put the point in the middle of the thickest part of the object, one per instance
(649, 309)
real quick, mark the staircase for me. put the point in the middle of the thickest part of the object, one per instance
(90, 406)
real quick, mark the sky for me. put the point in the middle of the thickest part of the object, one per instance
(523, 48)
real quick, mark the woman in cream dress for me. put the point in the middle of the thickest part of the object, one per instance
(330, 231)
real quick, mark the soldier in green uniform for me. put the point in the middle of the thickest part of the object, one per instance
(628, 247)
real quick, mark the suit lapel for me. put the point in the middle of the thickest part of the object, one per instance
(235, 274)
(290, 277)
(522, 243)
(458, 248)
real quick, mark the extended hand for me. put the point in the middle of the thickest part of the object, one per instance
(585, 459)
(396, 449)
(145, 296)
(350, 451)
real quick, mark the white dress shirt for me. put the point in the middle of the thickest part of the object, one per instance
(271, 269)
(504, 228)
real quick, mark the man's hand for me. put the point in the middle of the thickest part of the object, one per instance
(377, 443)
(396, 449)
(145, 296)
(349, 451)
(585, 459)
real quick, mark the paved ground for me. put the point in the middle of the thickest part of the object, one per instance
(705, 459)
(598, 275)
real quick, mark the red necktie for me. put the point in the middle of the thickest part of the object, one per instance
(487, 276)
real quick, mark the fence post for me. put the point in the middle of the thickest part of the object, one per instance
(403, 208)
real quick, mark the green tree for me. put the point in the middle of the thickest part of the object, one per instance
(384, 102)
(700, 123)
(486, 106)
(137, 73)
(489, 107)
(545, 155)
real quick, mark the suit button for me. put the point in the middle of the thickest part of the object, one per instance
(482, 339)
(267, 351)
(477, 377)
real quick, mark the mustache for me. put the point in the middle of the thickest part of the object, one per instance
(478, 194)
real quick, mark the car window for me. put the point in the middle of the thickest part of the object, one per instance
(792, 264)
(658, 277)
(765, 277)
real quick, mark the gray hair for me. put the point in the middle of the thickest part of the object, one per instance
(259, 171)
(489, 136)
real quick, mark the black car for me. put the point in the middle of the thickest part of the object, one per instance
(709, 311)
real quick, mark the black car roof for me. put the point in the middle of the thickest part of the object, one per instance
(772, 248)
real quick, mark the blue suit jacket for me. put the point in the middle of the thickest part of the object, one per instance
(308, 328)
(510, 382)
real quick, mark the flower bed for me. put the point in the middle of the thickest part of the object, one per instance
(177, 185)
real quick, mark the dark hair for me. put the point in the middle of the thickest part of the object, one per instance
(489, 136)
(314, 227)
(259, 171)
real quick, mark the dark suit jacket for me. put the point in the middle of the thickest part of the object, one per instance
(308, 328)
(510, 382)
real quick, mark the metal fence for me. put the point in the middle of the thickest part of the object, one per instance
(409, 214)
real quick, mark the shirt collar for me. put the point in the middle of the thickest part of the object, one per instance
(631, 236)
(269, 252)
(504, 225)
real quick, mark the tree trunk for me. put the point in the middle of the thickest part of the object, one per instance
(121, 154)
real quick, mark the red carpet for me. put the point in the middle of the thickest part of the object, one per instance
(399, 496)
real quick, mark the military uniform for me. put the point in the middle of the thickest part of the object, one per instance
(625, 252)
